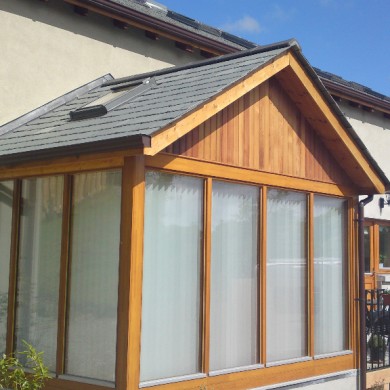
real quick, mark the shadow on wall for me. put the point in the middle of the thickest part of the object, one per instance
(61, 15)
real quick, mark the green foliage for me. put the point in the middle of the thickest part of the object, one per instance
(13, 374)
(376, 342)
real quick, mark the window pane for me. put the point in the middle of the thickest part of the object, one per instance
(39, 266)
(286, 275)
(367, 245)
(92, 318)
(6, 197)
(329, 275)
(171, 297)
(384, 246)
(234, 275)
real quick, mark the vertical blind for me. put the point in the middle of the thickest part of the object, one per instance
(6, 198)
(39, 266)
(329, 275)
(234, 276)
(286, 275)
(171, 296)
(92, 316)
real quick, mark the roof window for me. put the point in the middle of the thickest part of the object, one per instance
(111, 100)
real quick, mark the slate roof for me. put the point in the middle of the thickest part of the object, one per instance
(173, 93)
(351, 85)
(173, 18)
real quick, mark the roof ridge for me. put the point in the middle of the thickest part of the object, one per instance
(227, 57)
(53, 104)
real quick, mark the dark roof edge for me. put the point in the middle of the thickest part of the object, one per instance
(44, 109)
(364, 97)
(336, 109)
(108, 145)
(154, 23)
(227, 57)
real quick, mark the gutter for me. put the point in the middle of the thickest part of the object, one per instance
(362, 294)
(154, 24)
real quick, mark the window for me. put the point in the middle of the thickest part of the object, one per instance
(39, 266)
(177, 285)
(74, 325)
(94, 267)
(234, 276)
(286, 275)
(384, 246)
(329, 275)
(6, 199)
(171, 297)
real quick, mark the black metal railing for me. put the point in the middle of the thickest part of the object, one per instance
(377, 329)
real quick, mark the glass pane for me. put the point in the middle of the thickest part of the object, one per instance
(6, 198)
(93, 298)
(286, 275)
(384, 246)
(329, 275)
(171, 297)
(39, 266)
(367, 245)
(234, 276)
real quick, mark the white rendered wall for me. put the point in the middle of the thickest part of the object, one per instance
(47, 50)
(374, 130)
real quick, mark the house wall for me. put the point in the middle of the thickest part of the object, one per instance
(48, 50)
(263, 130)
(374, 130)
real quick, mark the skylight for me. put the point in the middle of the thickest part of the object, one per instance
(111, 100)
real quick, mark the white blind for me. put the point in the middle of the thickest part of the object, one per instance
(39, 266)
(286, 275)
(6, 198)
(93, 299)
(329, 275)
(234, 276)
(171, 297)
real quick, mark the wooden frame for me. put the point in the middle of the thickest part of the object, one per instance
(130, 281)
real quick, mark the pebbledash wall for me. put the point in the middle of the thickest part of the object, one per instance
(47, 47)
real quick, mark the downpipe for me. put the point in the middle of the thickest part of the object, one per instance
(362, 294)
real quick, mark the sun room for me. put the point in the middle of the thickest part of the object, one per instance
(212, 248)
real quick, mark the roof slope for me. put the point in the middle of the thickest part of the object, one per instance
(167, 104)
(174, 92)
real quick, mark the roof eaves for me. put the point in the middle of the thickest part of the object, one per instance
(354, 94)
(182, 31)
(52, 105)
(110, 145)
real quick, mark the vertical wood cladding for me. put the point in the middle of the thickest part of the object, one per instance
(264, 130)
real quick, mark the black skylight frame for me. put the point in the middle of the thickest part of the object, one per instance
(95, 111)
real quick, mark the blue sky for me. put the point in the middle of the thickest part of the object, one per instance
(350, 38)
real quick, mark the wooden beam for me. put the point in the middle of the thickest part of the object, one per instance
(13, 271)
(192, 166)
(329, 127)
(173, 132)
(63, 287)
(130, 274)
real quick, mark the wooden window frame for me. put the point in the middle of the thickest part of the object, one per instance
(57, 382)
(133, 167)
(264, 376)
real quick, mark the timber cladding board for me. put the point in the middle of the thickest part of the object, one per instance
(263, 130)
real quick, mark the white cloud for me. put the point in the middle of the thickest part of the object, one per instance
(246, 24)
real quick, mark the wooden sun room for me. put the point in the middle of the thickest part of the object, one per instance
(221, 256)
